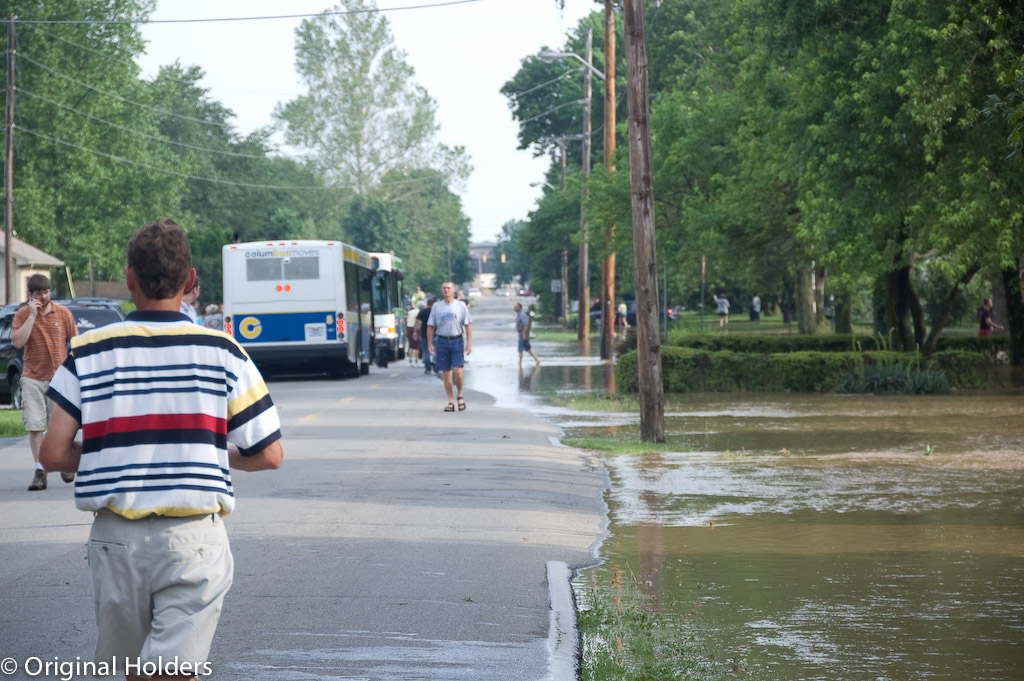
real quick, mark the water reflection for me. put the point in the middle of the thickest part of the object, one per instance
(812, 536)
(866, 557)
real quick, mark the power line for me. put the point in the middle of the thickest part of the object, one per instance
(154, 109)
(121, 159)
(99, 53)
(139, 132)
(84, 47)
(537, 87)
(372, 10)
(560, 106)
(200, 178)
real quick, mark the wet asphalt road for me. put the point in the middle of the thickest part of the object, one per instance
(396, 542)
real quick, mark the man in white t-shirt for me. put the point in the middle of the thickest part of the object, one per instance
(188, 302)
(451, 326)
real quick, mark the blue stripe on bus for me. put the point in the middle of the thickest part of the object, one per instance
(278, 327)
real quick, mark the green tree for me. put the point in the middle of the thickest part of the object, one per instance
(511, 261)
(362, 116)
(436, 231)
(82, 177)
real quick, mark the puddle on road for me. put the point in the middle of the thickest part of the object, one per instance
(813, 536)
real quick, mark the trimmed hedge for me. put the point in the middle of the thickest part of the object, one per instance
(690, 370)
(832, 342)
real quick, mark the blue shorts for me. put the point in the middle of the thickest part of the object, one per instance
(448, 353)
(524, 345)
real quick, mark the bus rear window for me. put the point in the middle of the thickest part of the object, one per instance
(302, 268)
(281, 269)
(263, 269)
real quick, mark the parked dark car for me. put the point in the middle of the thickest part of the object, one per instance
(595, 314)
(89, 313)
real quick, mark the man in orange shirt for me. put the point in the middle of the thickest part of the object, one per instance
(43, 328)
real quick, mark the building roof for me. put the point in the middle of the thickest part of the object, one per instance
(25, 254)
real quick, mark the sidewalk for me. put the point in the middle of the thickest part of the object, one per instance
(396, 541)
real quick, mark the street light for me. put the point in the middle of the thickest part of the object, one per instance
(583, 326)
(552, 56)
(608, 267)
(564, 279)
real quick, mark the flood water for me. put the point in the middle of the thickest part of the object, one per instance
(812, 536)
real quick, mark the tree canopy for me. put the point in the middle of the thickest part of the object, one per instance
(101, 151)
(868, 143)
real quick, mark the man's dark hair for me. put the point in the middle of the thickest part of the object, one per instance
(160, 257)
(38, 282)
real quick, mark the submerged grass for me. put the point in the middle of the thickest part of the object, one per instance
(596, 402)
(625, 638)
(10, 423)
(611, 445)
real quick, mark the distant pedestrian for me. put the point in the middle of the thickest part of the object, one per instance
(755, 309)
(523, 333)
(213, 319)
(985, 321)
(451, 325)
(412, 334)
(43, 328)
(421, 328)
(622, 316)
(188, 302)
(723, 309)
(418, 295)
(165, 408)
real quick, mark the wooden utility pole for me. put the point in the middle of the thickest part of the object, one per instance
(583, 326)
(565, 255)
(652, 390)
(608, 266)
(9, 170)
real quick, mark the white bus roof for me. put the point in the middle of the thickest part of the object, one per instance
(350, 253)
(387, 261)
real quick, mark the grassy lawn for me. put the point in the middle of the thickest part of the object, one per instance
(10, 423)
(689, 323)
(553, 335)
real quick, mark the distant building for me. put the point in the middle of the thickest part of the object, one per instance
(27, 260)
(483, 262)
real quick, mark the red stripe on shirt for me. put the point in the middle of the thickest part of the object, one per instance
(129, 424)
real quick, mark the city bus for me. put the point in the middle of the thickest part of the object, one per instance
(389, 324)
(301, 305)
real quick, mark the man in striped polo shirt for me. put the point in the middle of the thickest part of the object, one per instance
(165, 408)
(43, 328)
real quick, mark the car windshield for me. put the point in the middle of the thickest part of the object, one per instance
(94, 317)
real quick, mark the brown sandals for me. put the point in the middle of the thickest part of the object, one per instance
(450, 407)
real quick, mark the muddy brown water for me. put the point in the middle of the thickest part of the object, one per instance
(811, 536)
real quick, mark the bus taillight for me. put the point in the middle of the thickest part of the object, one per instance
(228, 326)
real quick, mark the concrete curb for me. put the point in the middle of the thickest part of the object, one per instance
(563, 635)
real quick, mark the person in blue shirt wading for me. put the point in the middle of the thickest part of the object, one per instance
(523, 333)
